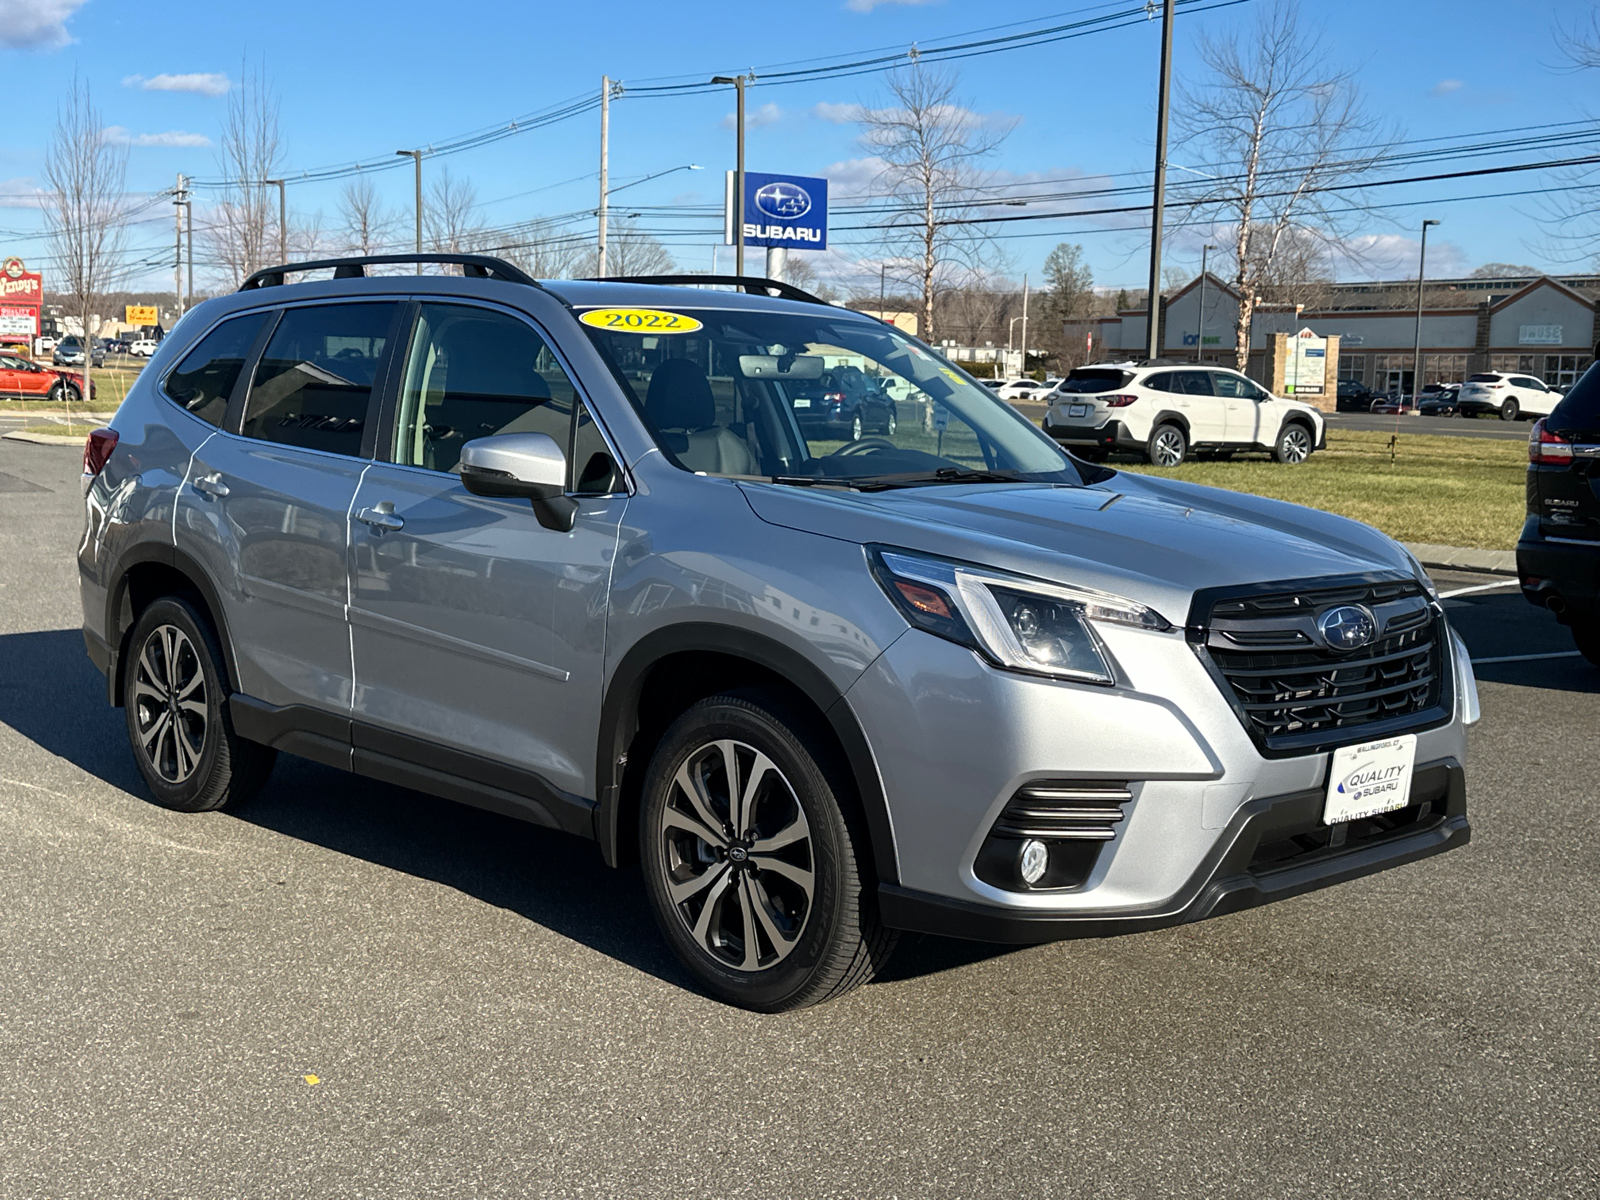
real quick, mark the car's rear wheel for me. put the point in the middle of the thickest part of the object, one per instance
(1586, 636)
(1168, 446)
(179, 725)
(1294, 444)
(753, 855)
(1509, 411)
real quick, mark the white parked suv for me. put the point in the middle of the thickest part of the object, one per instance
(1022, 389)
(1511, 396)
(1168, 412)
(143, 348)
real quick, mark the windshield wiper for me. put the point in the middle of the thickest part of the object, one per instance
(880, 483)
(811, 481)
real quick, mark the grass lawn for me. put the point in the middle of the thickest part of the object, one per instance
(74, 430)
(1450, 491)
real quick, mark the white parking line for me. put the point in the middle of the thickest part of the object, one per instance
(1482, 587)
(1505, 658)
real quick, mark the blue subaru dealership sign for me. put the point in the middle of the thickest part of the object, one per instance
(785, 210)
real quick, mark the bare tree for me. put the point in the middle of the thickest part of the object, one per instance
(543, 247)
(451, 221)
(1284, 127)
(86, 174)
(631, 251)
(933, 150)
(243, 224)
(1571, 216)
(365, 225)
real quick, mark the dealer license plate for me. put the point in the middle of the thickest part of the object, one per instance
(1077, 410)
(1369, 779)
(802, 403)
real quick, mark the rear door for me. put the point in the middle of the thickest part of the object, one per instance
(476, 630)
(267, 501)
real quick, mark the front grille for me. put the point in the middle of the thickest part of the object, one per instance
(1295, 695)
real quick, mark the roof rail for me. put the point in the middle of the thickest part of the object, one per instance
(752, 284)
(477, 266)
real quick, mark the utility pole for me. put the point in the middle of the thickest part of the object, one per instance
(1416, 362)
(1159, 202)
(177, 249)
(417, 155)
(188, 207)
(738, 82)
(1200, 325)
(605, 138)
(283, 220)
(1024, 370)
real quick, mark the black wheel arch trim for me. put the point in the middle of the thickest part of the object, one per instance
(165, 555)
(619, 721)
(1169, 417)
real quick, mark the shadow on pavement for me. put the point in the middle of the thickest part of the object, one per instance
(51, 694)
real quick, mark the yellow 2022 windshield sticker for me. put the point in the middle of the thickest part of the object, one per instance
(639, 320)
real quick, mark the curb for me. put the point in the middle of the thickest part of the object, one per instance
(42, 439)
(1462, 558)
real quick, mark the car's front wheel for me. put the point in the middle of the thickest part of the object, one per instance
(179, 725)
(65, 392)
(855, 428)
(753, 857)
(1168, 446)
(1294, 444)
(891, 422)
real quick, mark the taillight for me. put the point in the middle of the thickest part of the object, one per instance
(1549, 449)
(97, 451)
(1118, 401)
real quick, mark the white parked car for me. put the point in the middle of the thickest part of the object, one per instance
(1167, 412)
(143, 347)
(1022, 389)
(1509, 395)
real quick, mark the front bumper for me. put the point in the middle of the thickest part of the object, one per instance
(1248, 867)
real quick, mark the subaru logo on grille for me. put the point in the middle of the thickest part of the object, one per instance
(1348, 627)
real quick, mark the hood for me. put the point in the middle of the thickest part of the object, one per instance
(1148, 539)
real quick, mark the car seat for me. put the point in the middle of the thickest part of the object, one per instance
(680, 403)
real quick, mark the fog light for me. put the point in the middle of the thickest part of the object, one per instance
(1033, 861)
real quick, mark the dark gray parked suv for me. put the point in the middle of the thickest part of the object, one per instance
(564, 551)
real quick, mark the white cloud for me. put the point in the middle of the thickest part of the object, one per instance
(1394, 256)
(767, 114)
(837, 114)
(853, 176)
(171, 138)
(36, 24)
(1445, 86)
(199, 83)
(866, 6)
(20, 192)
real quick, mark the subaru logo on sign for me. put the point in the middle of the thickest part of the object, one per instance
(1348, 627)
(786, 201)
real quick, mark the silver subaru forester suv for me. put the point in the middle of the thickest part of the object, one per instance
(768, 599)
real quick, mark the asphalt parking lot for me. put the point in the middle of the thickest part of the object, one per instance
(346, 989)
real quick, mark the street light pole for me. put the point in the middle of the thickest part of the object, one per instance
(1159, 201)
(605, 167)
(1200, 326)
(283, 226)
(1416, 361)
(417, 156)
(738, 82)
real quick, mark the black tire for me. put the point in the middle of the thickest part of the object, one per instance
(891, 422)
(1586, 637)
(65, 391)
(1168, 446)
(838, 942)
(198, 763)
(1509, 411)
(1294, 445)
(856, 429)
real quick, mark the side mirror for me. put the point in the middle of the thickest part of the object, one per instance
(523, 466)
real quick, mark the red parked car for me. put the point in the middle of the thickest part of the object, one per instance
(20, 377)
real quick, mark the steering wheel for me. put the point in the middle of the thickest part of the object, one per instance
(865, 446)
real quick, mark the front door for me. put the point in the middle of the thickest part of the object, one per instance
(1205, 413)
(475, 628)
(267, 507)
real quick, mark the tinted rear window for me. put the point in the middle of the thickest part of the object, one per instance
(1483, 379)
(1085, 381)
(1579, 409)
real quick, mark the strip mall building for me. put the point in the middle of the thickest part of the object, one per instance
(1536, 325)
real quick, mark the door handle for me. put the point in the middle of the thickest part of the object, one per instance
(382, 518)
(211, 485)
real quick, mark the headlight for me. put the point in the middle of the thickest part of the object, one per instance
(1015, 622)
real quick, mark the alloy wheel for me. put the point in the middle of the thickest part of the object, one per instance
(855, 428)
(736, 850)
(1296, 445)
(171, 703)
(1167, 449)
(892, 423)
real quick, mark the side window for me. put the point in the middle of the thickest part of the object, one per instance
(1166, 382)
(316, 375)
(1196, 383)
(1232, 387)
(204, 380)
(472, 373)
(594, 471)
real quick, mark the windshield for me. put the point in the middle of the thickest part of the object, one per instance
(804, 399)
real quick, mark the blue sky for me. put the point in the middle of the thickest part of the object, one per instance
(357, 81)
